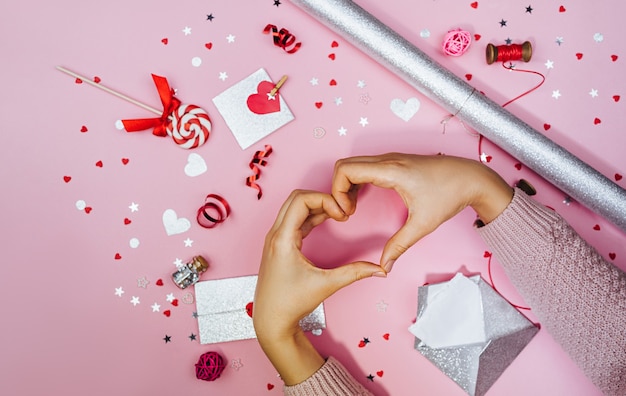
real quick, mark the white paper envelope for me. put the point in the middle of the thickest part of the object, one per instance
(222, 315)
(250, 113)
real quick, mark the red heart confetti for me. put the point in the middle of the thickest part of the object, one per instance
(612, 256)
(362, 344)
(260, 103)
(270, 386)
(118, 256)
(175, 302)
(167, 313)
(474, 5)
(618, 177)
(477, 37)
(208, 45)
(380, 373)
(88, 209)
(99, 164)
(96, 79)
(78, 81)
(318, 105)
(331, 56)
(386, 336)
(249, 308)
(127, 221)
(468, 77)
(579, 56)
(614, 57)
(596, 121)
(518, 166)
(333, 82)
(561, 9)
(125, 161)
(596, 227)
(164, 41)
(83, 129)
(616, 98)
(67, 178)
(159, 282)
(546, 127)
(334, 44)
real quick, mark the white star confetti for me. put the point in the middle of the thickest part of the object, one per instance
(223, 76)
(381, 306)
(170, 297)
(559, 40)
(363, 121)
(188, 242)
(155, 307)
(142, 282)
(342, 131)
(134, 301)
(119, 291)
(187, 30)
(485, 158)
(230, 38)
(134, 207)
(236, 364)
(178, 263)
(598, 37)
(338, 101)
(593, 93)
(314, 81)
(360, 84)
(556, 94)
(549, 64)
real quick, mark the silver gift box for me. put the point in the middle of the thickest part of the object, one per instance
(476, 367)
(221, 309)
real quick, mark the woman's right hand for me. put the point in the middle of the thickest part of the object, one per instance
(433, 188)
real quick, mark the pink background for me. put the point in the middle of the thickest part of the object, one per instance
(65, 331)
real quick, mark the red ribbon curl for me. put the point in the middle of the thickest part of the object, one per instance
(170, 105)
(204, 215)
(258, 160)
(282, 38)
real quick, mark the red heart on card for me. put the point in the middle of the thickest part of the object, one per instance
(333, 82)
(127, 221)
(164, 41)
(332, 56)
(468, 77)
(167, 313)
(596, 121)
(612, 256)
(118, 256)
(579, 55)
(334, 44)
(518, 166)
(386, 336)
(561, 9)
(159, 282)
(616, 98)
(546, 127)
(261, 102)
(596, 227)
(96, 79)
(270, 386)
(380, 373)
(474, 4)
(124, 161)
(67, 178)
(83, 129)
(208, 45)
(618, 177)
(87, 209)
(477, 37)
(249, 308)
(318, 105)
(614, 57)
(175, 302)
(99, 164)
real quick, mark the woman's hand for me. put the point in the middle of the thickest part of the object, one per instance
(289, 286)
(433, 188)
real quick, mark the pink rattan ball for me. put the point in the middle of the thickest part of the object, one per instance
(456, 42)
(210, 366)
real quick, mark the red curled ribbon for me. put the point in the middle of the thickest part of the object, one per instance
(170, 105)
(282, 38)
(209, 209)
(258, 160)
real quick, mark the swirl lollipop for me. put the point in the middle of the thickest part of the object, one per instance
(188, 125)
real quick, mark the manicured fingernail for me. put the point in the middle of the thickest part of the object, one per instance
(389, 265)
(380, 274)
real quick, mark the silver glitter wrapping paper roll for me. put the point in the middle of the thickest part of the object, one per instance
(221, 308)
(567, 172)
(475, 368)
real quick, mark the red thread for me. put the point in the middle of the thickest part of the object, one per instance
(282, 38)
(211, 214)
(493, 285)
(258, 160)
(210, 366)
(509, 52)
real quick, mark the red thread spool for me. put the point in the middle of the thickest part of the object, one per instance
(504, 53)
(210, 366)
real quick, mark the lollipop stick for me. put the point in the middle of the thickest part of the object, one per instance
(109, 90)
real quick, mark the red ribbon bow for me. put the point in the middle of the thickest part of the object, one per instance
(170, 105)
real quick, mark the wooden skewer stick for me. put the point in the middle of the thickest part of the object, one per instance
(109, 90)
(278, 85)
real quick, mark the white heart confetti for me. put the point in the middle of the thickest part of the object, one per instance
(174, 225)
(195, 165)
(407, 110)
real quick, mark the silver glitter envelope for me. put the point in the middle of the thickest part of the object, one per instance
(477, 365)
(222, 305)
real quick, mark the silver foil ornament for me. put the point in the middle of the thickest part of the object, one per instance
(567, 172)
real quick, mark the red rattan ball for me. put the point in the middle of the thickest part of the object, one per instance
(210, 366)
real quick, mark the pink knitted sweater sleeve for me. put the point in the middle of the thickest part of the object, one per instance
(579, 298)
(331, 379)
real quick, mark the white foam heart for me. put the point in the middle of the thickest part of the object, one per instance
(195, 165)
(405, 110)
(173, 224)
